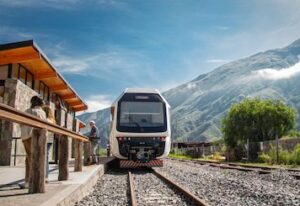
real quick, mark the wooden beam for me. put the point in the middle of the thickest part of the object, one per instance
(46, 75)
(69, 96)
(11, 114)
(81, 125)
(58, 87)
(9, 58)
(76, 109)
(77, 103)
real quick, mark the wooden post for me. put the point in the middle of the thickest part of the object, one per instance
(78, 156)
(277, 149)
(38, 161)
(87, 153)
(248, 149)
(73, 148)
(63, 173)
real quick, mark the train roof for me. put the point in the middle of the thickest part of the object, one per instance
(141, 90)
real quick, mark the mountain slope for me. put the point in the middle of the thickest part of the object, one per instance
(199, 105)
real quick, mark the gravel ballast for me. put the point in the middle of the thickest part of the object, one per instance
(151, 190)
(231, 187)
(111, 189)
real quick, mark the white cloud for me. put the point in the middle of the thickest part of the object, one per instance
(98, 102)
(218, 61)
(191, 85)
(68, 65)
(274, 74)
(128, 66)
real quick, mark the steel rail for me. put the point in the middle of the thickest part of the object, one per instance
(11, 114)
(131, 190)
(181, 189)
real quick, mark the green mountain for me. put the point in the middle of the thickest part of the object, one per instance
(199, 105)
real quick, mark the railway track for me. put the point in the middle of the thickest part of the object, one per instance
(154, 188)
(246, 168)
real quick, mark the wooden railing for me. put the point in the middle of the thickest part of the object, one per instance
(38, 146)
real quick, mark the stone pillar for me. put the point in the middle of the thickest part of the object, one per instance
(69, 125)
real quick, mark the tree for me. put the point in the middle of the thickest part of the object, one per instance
(256, 120)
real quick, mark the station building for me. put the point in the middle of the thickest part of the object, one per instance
(25, 71)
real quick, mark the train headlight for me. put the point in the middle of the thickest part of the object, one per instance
(120, 138)
(163, 139)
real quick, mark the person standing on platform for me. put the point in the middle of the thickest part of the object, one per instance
(35, 109)
(95, 142)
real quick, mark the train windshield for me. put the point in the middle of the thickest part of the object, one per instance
(141, 113)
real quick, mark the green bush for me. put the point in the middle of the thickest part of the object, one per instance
(264, 158)
(296, 155)
(293, 133)
(285, 157)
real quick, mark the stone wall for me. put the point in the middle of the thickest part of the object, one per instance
(66, 120)
(69, 125)
(18, 95)
(76, 124)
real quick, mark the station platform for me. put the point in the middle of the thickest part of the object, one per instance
(58, 193)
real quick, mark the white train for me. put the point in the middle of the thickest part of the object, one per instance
(141, 128)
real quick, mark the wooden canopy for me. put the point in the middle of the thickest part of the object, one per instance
(30, 55)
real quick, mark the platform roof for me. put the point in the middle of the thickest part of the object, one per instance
(31, 56)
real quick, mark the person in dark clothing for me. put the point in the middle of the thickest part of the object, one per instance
(95, 142)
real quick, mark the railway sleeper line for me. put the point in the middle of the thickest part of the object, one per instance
(180, 196)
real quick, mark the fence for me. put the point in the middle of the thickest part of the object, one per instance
(201, 149)
(38, 145)
(195, 149)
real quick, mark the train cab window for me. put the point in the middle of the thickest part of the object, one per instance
(141, 113)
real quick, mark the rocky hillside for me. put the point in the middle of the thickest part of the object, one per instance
(199, 105)
(102, 119)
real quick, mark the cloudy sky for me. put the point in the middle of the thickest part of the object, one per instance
(104, 46)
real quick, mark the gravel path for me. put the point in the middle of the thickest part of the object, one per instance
(110, 190)
(230, 187)
(151, 190)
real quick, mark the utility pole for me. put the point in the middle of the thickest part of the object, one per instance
(248, 147)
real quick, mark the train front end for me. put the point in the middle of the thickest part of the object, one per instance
(140, 134)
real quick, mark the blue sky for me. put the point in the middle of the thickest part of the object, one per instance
(104, 46)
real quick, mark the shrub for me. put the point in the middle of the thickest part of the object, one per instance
(264, 158)
(217, 156)
(296, 155)
(285, 157)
